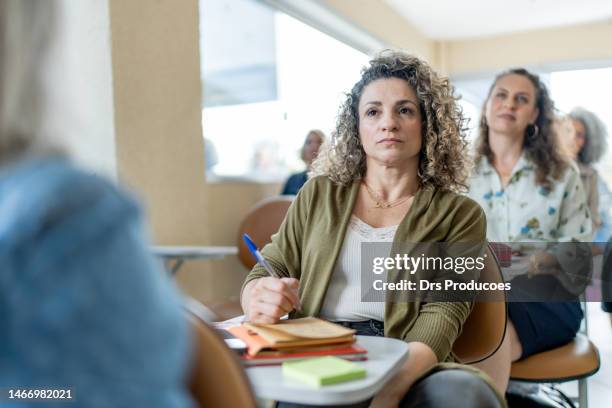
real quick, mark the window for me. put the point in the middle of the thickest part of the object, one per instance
(583, 88)
(267, 79)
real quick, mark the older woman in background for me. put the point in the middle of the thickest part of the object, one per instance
(587, 147)
(83, 306)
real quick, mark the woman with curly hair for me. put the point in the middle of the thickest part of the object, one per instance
(389, 174)
(529, 192)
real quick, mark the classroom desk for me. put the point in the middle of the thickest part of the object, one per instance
(179, 254)
(385, 357)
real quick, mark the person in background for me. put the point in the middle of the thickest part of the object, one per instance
(587, 147)
(390, 174)
(310, 149)
(83, 305)
(529, 191)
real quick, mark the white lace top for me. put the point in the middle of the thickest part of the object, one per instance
(343, 299)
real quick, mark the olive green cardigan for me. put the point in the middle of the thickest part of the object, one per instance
(311, 236)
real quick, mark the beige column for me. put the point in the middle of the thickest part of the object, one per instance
(160, 153)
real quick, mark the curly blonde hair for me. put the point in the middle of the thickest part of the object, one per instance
(443, 161)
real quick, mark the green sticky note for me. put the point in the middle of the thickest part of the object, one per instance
(323, 371)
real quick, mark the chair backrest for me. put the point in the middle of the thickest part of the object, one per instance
(485, 327)
(217, 377)
(261, 223)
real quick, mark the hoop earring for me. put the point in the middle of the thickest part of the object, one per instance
(532, 130)
(483, 122)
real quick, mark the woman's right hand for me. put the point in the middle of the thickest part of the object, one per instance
(268, 299)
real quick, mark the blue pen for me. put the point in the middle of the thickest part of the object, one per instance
(261, 260)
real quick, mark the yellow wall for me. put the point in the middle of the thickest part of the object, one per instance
(383, 22)
(585, 42)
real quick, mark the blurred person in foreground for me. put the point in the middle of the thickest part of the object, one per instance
(83, 305)
(310, 149)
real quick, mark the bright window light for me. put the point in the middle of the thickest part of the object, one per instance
(265, 90)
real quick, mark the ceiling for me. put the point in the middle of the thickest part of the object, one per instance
(454, 19)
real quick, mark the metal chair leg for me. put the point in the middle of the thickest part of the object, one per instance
(583, 395)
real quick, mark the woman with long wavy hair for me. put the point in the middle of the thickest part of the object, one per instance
(529, 192)
(390, 173)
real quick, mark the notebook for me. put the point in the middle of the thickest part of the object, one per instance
(352, 352)
(321, 371)
(292, 335)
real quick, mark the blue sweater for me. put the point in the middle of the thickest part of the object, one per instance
(82, 302)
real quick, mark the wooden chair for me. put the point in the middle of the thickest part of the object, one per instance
(485, 327)
(217, 378)
(576, 360)
(261, 223)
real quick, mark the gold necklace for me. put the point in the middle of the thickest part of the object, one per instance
(380, 203)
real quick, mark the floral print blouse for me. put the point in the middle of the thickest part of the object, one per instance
(523, 211)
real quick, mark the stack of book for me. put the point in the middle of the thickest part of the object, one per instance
(269, 344)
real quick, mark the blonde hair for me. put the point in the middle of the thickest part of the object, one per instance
(443, 158)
